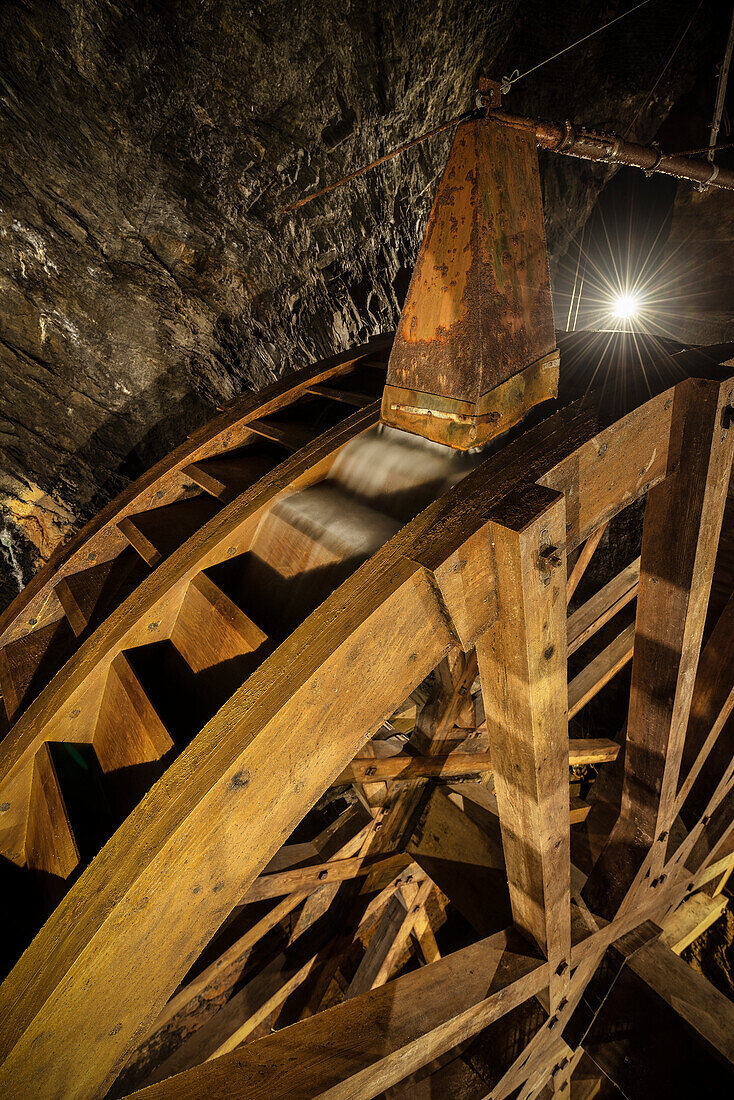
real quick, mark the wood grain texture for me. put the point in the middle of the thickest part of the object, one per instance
(675, 579)
(50, 844)
(522, 663)
(355, 1050)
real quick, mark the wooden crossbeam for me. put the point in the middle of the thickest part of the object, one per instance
(377, 870)
(522, 664)
(401, 1027)
(603, 668)
(581, 750)
(602, 606)
(705, 749)
(681, 528)
(389, 939)
(583, 560)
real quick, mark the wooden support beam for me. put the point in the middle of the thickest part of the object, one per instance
(401, 1027)
(602, 606)
(707, 753)
(604, 667)
(691, 919)
(680, 535)
(581, 750)
(347, 397)
(583, 560)
(378, 870)
(522, 664)
(389, 939)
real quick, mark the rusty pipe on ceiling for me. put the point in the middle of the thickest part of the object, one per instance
(573, 141)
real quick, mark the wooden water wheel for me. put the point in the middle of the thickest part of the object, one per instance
(296, 706)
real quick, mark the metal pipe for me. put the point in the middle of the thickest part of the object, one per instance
(608, 149)
(721, 92)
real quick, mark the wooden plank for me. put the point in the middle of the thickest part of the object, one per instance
(583, 560)
(210, 628)
(601, 670)
(157, 533)
(50, 844)
(128, 731)
(349, 397)
(706, 750)
(602, 606)
(376, 869)
(675, 579)
(522, 664)
(292, 436)
(401, 766)
(227, 476)
(366, 1044)
(691, 919)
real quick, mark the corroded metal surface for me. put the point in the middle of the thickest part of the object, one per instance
(478, 309)
(463, 425)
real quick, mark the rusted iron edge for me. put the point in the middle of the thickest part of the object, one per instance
(463, 424)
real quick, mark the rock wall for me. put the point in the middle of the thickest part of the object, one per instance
(147, 272)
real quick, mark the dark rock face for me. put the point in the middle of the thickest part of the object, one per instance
(147, 272)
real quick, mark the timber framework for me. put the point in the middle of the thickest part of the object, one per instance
(298, 701)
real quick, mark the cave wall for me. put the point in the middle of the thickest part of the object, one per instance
(147, 271)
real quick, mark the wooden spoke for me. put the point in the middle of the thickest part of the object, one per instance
(601, 670)
(602, 606)
(583, 560)
(522, 662)
(401, 1026)
(581, 750)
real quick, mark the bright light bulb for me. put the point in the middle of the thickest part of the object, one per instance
(626, 306)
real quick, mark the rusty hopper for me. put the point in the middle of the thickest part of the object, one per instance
(475, 348)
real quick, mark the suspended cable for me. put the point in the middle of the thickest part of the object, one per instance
(473, 113)
(662, 73)
(576, 277)
(721, 91)
(514, 77)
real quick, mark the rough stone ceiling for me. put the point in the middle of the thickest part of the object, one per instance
(147, 272)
